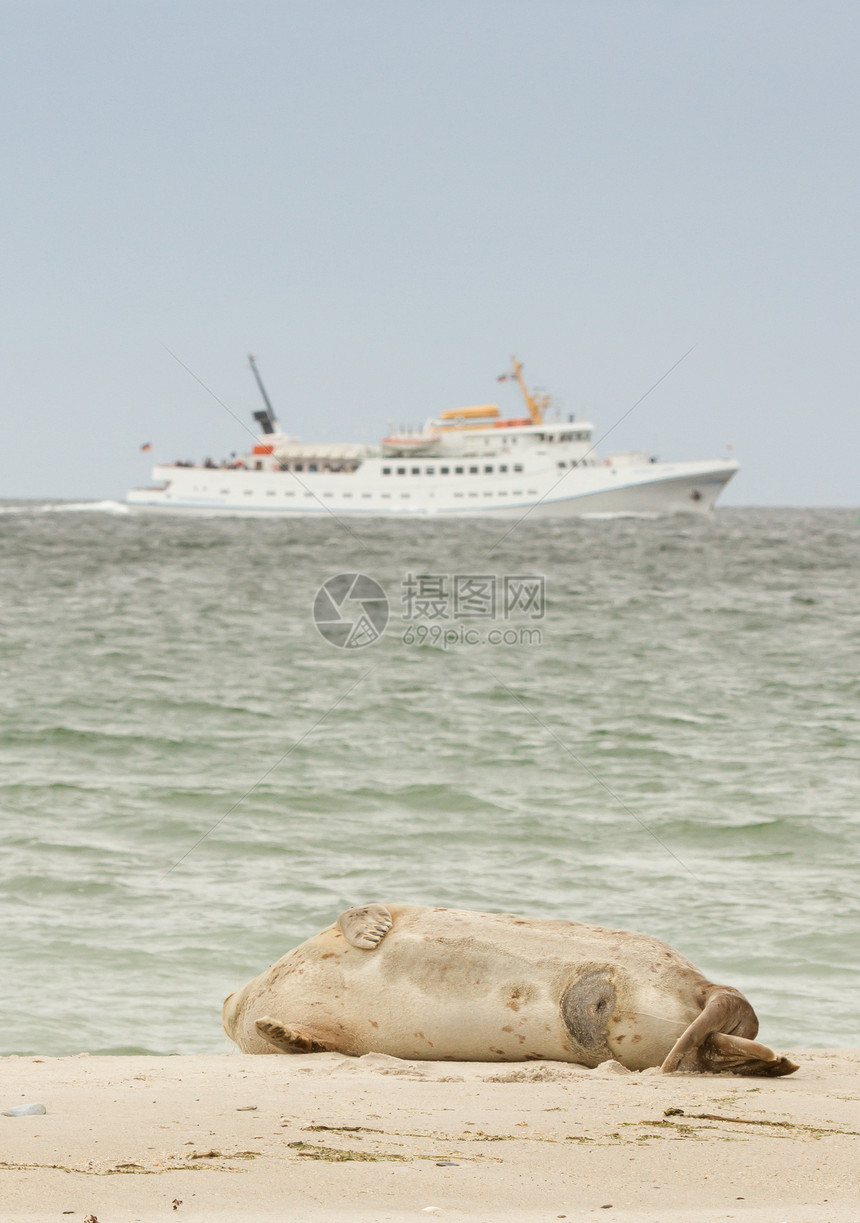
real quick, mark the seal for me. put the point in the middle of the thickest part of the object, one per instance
(433, 983)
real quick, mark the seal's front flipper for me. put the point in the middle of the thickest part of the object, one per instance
(366, 926)
(294, 1039)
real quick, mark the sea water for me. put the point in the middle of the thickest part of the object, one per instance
(644, 724)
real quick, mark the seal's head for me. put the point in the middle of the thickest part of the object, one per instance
(228, 1014)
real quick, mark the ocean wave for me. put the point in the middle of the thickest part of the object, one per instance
(194, 780)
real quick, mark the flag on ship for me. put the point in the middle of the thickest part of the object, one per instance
(146, 446)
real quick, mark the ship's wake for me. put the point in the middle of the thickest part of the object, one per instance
(65, 507)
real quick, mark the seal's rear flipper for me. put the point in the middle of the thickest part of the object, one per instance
(365, 927)
(721, 1039)
(723, 1052)
(725, 1010)
(294, 1039)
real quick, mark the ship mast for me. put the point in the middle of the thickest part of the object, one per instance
(267, 420)
(536, 404)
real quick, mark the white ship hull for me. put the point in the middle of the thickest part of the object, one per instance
(466, 463)
(648, 489)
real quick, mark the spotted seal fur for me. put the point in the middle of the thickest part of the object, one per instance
(434, 983)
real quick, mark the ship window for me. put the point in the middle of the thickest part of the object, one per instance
(388, 495)
(289, 492)
(488, 492)
(473, 471)
(224, 490)
(347, 494)
(518, 466)
(458, 471)
(308, 494)
(562, 463)
(458, 494)
(386, 471)
(486, 469)
(416, 471)
(366, 495)
(473, 494)
(443, 471)
(518, 492)
(503, 492)
(248, 492)
(503, 467)
(532, 492)
(429, 471)
(401, 471)
(270, 492)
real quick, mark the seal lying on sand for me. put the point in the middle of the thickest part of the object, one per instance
(428, 983)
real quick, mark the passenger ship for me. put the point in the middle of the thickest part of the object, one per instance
(466, 463)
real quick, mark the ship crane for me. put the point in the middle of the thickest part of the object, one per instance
(536, 404)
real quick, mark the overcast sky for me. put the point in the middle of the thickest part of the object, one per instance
(384, 199)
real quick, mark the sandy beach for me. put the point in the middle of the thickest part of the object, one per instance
(330, 1138)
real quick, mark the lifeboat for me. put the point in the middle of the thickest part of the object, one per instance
(408, 443)
(474, 413)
